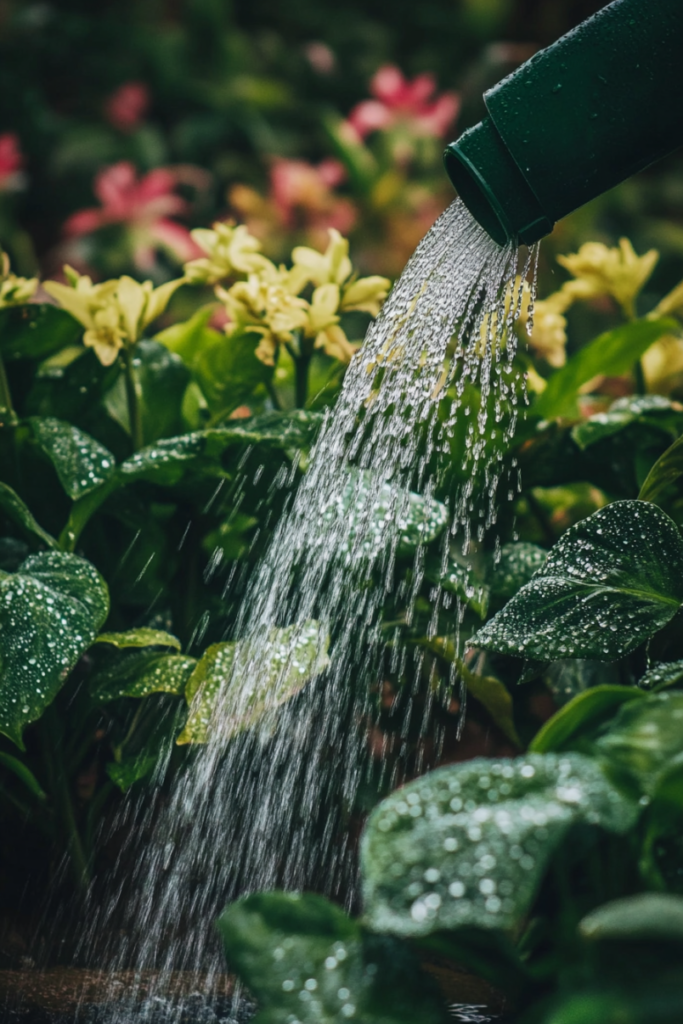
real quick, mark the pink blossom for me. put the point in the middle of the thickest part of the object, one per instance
(11, 162)
(299, 188)
(125, 109)
(398, 101)
(144, 205)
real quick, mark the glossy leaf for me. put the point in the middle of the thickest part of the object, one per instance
(141, 637)
(50, 613)
(517, 564)
(645, 917)
(82, 463)
(613, 353)
(461, 580)
(469, 844)
(667, 673)
(228, 371)
(609, 583)
(129, 771)
(72, 390)
(304, 960)
(666, 471)
(581, 717)
(141, 674)
(14, 508)
(36, 331)
(643, 739)
(189, 338)
(262, 675)
(161, 378)
(654, 410)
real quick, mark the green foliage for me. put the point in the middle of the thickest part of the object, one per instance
(305, 960)
(51, 610)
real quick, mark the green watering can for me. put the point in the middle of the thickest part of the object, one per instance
(601, 103)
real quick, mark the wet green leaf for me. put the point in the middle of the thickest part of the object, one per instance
(82, 463)
(189, 338)
(645, 917)
(613, 353)
(161, 379)
(654, 410)
(73, 390)
(141, 637)
(24, 774)
(129, 771)
(228, 371)
(36, 331)
(461, 580)
(50, 613)
(666, 472)
(517, 564)
(609, 583)
(140, 674)
(468, 844)
(14, 508)
(667, 673)
(643, 739)
(304, 960)
(269, 673)
(581, 717)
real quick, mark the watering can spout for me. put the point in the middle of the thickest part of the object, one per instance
(597, 106)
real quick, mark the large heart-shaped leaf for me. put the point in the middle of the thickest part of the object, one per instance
(50, 613)
(82, 463)
(468, 844)
(305, 961)
(612, 581)
(263, 674)
(612, 353)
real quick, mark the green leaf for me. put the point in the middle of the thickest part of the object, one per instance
(189, 338)
(82, 463)
(228, 371)
(582, 716)
(129, 771)
(609, 583)
(643, 739)
(469, 844)
(36, 331)
(645, 917)
(14, 508)
(140, 674)
(666, 471)
(22, 772)
(304, 960)
(460, 579)
(277, 668)
(67, 392)
(514, 568)
(654, 410)
(141, 637)
(161, 378)
(613, 353)
(666, 673)
(50, 613)
(365, 508)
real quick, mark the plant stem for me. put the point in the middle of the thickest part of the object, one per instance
(6, 408)
(272, 393)
(639, 374)
(52, 745)
(134, 412)
(302, 365)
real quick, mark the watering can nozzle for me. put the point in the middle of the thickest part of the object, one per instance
(597, 106)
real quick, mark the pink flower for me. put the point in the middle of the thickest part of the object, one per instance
(125, 109)
(144, 205)
(298, 188)
(399, 101)
(11, 163)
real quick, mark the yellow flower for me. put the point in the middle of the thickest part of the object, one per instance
(14, 291)
(114, 313)
(229, 250)
(671, 303)
(663, 365)
(335, 344)
(367, 294)
(267, 303)
(618, 272)
(323, 324)
(331, 267)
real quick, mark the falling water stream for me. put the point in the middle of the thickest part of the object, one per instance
(263, 810)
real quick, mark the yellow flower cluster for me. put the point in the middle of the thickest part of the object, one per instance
(270, 302)
(14, 291)
(114, 313)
